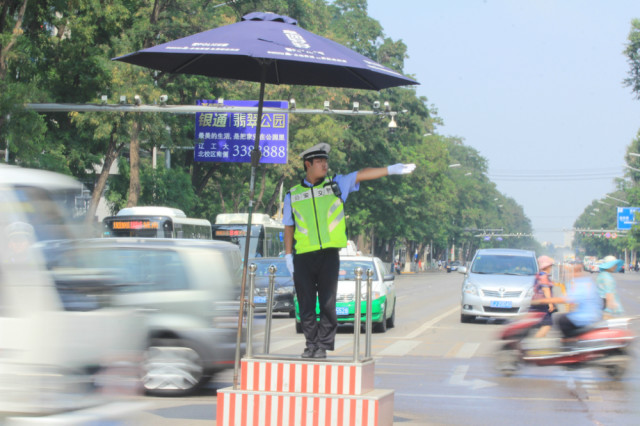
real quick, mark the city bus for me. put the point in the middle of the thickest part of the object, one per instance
(155, 222)
(267, 234)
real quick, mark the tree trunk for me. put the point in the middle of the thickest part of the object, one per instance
(199, 186)
(222, 204)
(275, 197)
(134, 163)
(113, 151)
(262, 186)
(17, 31)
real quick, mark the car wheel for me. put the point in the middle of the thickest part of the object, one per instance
(391, 321)
(467, 318)
(172, 368)
(381, 327)
(298, 327)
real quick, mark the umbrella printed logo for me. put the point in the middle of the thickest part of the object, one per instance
(296, 39)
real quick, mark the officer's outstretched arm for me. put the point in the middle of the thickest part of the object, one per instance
(372, 173)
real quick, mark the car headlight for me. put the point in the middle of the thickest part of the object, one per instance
(284, 290)
(470, 288)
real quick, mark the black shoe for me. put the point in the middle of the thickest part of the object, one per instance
(320, 353)
(308, 353)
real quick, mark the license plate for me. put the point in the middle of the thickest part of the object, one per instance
(500, 304)
(342, 310)
(259, 299)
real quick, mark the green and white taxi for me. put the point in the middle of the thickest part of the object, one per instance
(383, 304)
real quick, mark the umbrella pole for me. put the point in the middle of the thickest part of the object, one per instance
(255, 160)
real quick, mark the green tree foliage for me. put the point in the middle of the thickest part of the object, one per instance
(53, 51)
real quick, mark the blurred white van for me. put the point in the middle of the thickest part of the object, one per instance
(57, 364)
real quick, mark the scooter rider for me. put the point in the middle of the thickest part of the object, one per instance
(583, 294)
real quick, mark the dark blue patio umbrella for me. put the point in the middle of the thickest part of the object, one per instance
(266, 48)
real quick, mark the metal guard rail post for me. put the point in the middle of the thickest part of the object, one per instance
(267, 332)
(249, 301)
(357, 316)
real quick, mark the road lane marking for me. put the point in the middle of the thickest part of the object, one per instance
(273, 330)
(399, 348)
(278, 346)
(467, 350)
(466, 396)
(424, 327)
(457, 379)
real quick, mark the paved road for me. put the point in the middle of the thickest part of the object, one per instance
(442, 371)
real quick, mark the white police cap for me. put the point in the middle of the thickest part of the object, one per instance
(320, 150)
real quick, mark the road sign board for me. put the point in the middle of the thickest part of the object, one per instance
(228, 137)
(627, 217)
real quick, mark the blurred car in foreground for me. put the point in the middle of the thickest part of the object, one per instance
(383, 305)
(283, 289)
(499, 283)
(59, 359)
(188, 290)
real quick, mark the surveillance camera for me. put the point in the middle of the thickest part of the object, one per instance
(356, 106)
(123, 99)
(292, 103)
(103, 99)
(137, 100)
(164, 99)
(376, 105)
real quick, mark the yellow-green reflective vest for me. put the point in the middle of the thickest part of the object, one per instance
(319, 218)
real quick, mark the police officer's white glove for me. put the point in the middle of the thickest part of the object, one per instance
(400, 169)
(289, 259)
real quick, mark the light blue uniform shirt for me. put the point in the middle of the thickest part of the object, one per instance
(347, 184)
(588, 302)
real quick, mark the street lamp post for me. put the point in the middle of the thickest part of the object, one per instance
(617, 199)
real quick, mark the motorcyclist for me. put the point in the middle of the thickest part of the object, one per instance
(542, 289)
(607, 286)
(583, 294)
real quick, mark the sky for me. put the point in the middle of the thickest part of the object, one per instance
(536, 86)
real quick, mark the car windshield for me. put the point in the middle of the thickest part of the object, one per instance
(347, 269)
(504, 264)
(263, 267)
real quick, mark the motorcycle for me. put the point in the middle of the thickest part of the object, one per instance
(604, 344)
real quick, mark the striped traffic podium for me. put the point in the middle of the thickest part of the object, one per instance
(305, 393)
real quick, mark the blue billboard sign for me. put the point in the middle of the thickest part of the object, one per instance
(229, 137)
(627, 217)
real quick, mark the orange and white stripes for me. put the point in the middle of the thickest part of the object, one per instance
(304, 377)
(305, 393)
(242, 408)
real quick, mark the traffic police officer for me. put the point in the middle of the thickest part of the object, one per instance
(314, 233)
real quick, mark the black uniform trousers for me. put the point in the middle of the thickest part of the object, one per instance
(315, 274)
